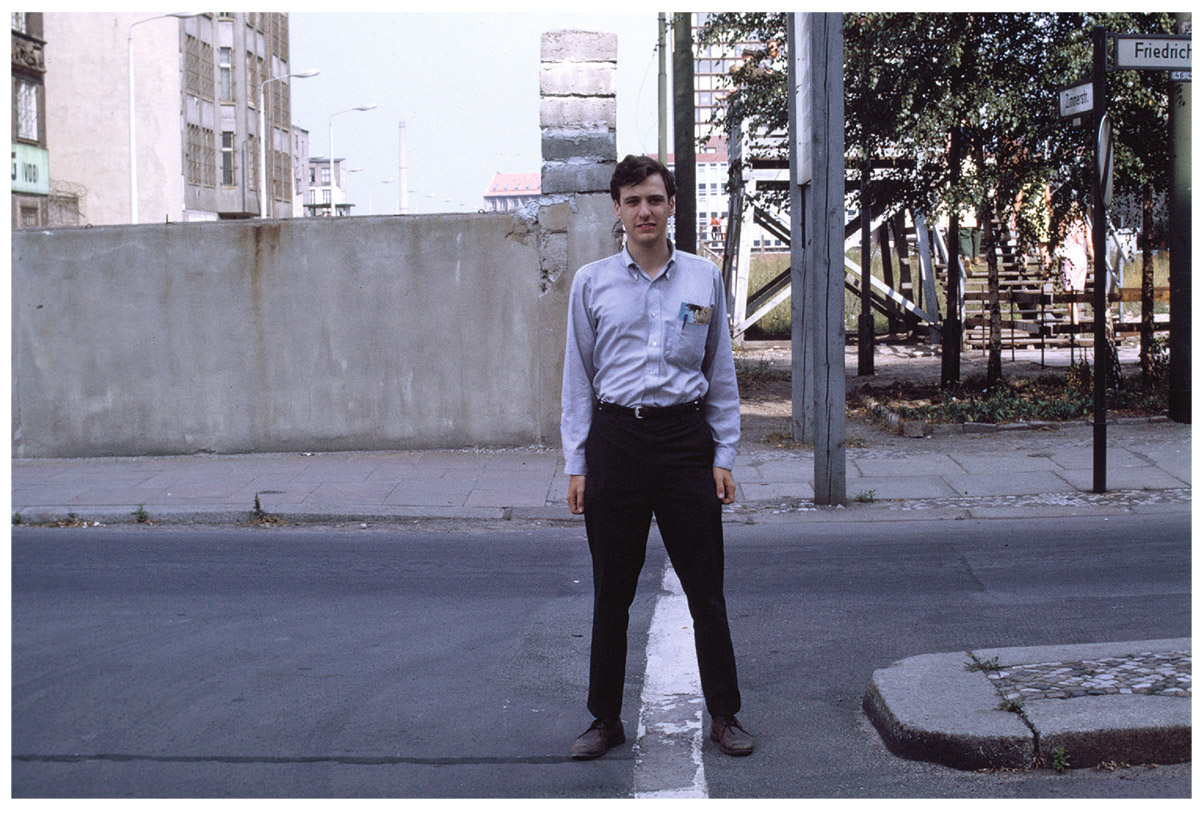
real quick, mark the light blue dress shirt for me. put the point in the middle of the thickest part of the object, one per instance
(636, 342)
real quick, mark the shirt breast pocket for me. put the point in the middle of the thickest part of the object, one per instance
(685, 347)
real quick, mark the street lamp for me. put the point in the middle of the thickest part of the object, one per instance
(262, 137)
(332, 164)
(133, 201)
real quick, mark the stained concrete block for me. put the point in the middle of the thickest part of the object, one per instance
(560, 144)
(577, 44)
(559, 177)
(579, 112)
(1120, 728)
(578, 78)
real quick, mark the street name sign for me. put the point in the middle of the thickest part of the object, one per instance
(1075, 100)
(1161, 52)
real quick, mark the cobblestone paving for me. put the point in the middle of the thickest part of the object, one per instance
(1137, 674)
(1112, 501)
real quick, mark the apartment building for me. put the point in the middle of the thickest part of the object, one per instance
(326, 185)
(512, 190)
(30, 158)
(193, 115)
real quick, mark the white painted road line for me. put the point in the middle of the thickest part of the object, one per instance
(669, 759)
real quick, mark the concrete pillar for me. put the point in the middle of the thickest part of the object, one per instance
(578, 111)
(573, 220)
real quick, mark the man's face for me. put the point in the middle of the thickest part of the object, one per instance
(644, 209)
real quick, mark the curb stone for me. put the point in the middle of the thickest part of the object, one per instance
(931, 708)
(934, 708)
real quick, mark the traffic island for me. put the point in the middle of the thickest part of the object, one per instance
(1069, 706)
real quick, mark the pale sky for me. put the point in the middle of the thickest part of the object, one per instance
(466, 86)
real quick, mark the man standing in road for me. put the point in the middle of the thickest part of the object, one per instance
(650, 427)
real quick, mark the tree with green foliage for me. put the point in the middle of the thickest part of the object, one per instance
(919, 84)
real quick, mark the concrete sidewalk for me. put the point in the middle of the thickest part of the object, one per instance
(998, 473)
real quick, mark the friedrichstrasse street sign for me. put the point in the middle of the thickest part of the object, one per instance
(1160, 52)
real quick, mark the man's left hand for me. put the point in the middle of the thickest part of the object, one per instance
(725, 485)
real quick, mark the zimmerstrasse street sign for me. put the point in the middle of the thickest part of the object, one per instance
(1075, 100)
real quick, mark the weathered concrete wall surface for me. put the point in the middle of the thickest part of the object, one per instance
(321, 334)
(313, 334)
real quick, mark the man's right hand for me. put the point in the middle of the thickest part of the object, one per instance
(575, 493)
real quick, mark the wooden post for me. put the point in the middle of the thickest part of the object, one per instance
(819, 153)
(800, 182)
(685, 134)
(952, 324)
(889, 278)
(866, 321)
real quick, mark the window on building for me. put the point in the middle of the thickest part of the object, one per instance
(193, 154)
(227, 158)
(226, 74)
(201, 156)
(252, 80)
(30, 216)
(19, 23)
(325, 176)
(27, 109)
(251, 159)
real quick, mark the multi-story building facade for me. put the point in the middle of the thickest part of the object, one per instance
(30, 158)
(512, 190)
(713, 67)
(195, 109)
(327, 190)
(300, 171)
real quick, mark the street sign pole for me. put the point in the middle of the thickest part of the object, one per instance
(1179, 203)
(1100, 265)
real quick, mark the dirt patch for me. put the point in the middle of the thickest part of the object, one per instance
(908, 371)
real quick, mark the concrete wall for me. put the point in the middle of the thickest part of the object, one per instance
(388, 332)
(314, 334)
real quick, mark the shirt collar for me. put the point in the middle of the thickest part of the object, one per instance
(636, 270)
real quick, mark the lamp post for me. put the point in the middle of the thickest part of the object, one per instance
(262, 137)
(133, 201)
(332, 162)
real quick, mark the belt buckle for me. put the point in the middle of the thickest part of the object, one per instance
(637, 412)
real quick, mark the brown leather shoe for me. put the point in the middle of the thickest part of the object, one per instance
(599, 738)
(731, 738)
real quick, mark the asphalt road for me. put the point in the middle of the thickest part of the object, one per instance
(267, 662)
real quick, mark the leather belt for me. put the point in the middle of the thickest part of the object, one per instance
(643, 411)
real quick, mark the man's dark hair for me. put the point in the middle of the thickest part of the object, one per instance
(634, 169)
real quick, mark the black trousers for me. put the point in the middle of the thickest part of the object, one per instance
(660, 467)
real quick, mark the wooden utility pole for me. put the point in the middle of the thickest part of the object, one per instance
(685, 134)
(799, 81)
(818, 176)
